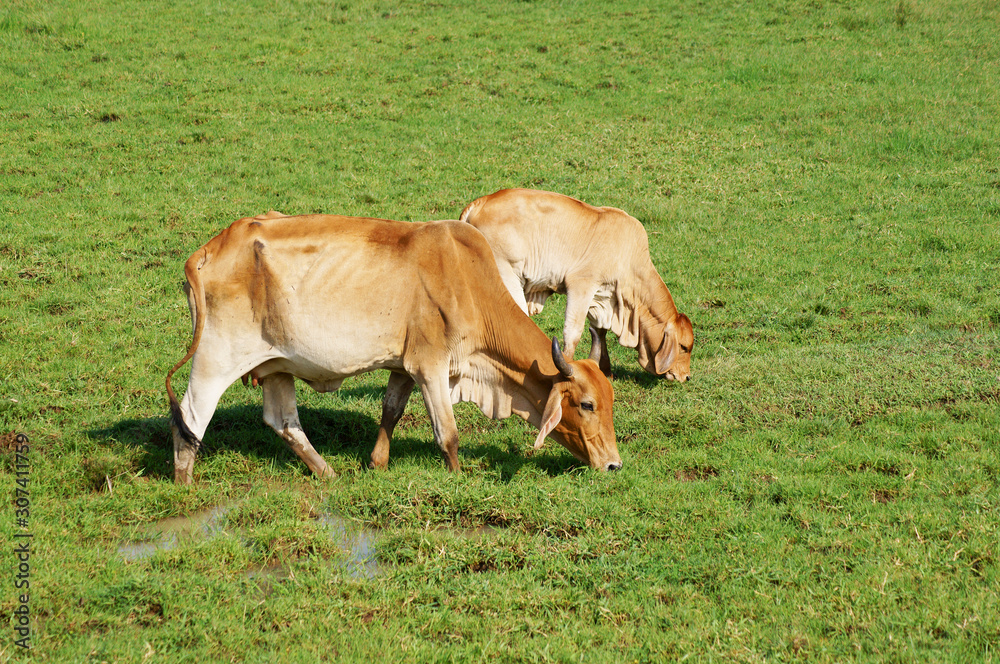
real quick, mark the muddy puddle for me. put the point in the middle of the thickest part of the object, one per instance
(356, 542)
(167, 534)
(359, 544)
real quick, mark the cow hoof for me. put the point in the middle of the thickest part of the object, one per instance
(326, 472)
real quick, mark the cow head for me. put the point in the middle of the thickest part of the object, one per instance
(578, 413)
(668, 355)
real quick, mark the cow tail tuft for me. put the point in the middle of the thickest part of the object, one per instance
(177, 420)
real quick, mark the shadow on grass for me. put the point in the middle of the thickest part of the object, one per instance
(637, 376)
(241, 430)
(509, 460)
(642, 378)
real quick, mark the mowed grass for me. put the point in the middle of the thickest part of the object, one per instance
(820, 185)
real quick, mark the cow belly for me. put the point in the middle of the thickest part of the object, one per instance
(325, 385)
(325, 366)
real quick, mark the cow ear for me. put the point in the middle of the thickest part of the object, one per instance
(551, 417)
(668, 351)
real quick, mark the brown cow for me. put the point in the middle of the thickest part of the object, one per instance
(326, 297)
(599, 257)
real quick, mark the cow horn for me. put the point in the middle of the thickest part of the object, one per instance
(561, 364)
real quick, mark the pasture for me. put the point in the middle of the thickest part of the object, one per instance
(820, 181)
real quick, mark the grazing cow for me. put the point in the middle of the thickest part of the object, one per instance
(322, 298)
(599, 257)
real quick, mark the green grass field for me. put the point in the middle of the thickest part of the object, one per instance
(820, 181)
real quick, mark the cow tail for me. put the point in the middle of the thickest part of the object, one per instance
(196, 293)
(469, 209)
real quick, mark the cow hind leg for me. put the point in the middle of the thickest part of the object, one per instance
(185, 450)
(189, 419)
(397, 394)
(282, 415)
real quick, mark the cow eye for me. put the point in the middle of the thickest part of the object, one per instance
(586, 405)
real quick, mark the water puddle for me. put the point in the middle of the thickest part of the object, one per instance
(167, 534)
(359, 544)
(356, 542)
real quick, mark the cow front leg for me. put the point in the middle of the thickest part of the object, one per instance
(437, 398)
(599, 349)
(282, 415)
(397, 394)
(578, 301)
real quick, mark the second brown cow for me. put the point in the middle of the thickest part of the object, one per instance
(599, 256)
